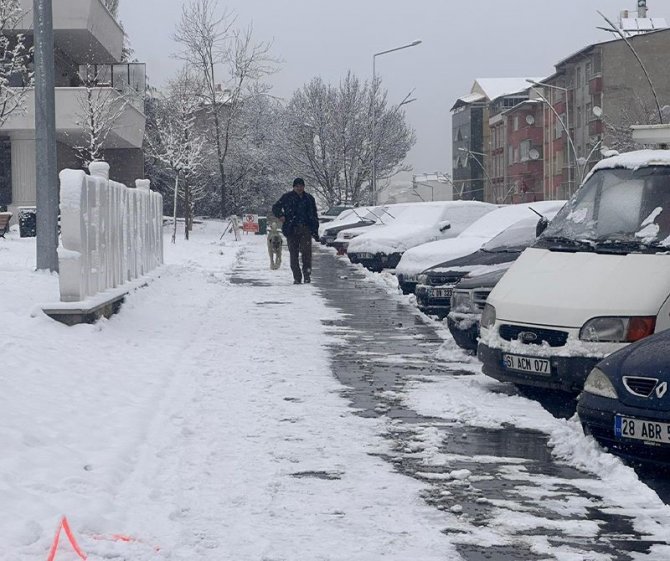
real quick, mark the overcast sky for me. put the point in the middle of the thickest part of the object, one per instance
(462, 41)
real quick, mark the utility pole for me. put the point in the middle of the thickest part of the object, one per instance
(45, 137)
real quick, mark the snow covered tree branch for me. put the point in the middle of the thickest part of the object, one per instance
(15, 75)
(100, 108)
(329, 137)
(174, 140)
(213, 47)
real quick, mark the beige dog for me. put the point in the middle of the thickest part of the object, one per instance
(275, 243)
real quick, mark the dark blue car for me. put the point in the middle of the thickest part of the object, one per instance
(625, 403)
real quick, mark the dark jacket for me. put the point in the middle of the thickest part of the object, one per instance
(297, 210)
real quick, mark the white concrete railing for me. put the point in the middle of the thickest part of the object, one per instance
(109, 234)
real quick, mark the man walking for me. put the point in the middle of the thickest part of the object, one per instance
(296, 210)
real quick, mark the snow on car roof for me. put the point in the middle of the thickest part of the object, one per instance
(432, 253)
(417, 224)
(494, 222)
(635, 160)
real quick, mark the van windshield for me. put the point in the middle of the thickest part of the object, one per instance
(616, 211)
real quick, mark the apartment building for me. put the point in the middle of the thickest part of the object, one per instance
(472, 134)
(88, 43)
(601, 91)
(516, 149)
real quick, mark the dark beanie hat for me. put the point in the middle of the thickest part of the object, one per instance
(298, 181)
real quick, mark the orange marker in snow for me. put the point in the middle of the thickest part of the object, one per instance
(64, 525)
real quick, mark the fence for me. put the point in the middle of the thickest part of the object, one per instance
(110, 234)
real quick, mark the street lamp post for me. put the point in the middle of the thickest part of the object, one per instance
(469, 153)
(45, 137)
(565, 125)
(374, 112)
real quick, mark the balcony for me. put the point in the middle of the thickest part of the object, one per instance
(83, 29)
(128, 131)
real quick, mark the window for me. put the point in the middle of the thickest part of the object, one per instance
(510, 155)
(558, 163)
(516, 122)
(516, 155)
(525, 150)
(558, 128)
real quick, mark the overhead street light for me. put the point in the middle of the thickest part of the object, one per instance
(565, 125)
(374, 111)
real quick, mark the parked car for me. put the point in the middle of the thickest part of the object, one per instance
(383, 246)
(467, 302)
(422, 257)
(384, 215)
(351, 219)
(625, 402)
(435, 284)
(333, 212)
(596, 280)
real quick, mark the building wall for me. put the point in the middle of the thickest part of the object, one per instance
(5, 172)
(460, 124)
(626, 92)
(126, 165)
(525, 149)
(468, 139)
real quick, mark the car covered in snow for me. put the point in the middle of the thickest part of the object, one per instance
(625, 403)
(351, 219)
(435, 285)
(422, 257)
(418, 223)
(333, 212)
(467, 302)
(383, 215)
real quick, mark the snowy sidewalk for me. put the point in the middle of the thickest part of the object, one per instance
(203, 421)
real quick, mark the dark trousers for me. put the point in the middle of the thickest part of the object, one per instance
(300, 242)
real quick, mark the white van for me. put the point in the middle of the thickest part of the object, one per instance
(597, 279)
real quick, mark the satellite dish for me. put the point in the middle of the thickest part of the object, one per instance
(597, 111)
(530, 119)
(534, 154)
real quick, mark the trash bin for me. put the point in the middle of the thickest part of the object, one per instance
(262, 226)
(27, 221)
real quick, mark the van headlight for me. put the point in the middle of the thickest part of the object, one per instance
(617, 329)
(461, 301)
(598, 383)
(488, 318)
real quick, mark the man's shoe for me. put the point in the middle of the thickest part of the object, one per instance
(298, 281)
(308, 279)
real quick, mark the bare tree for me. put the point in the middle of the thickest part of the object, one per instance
(219, 52)
(174, 141)
(100, 108)
(329, 137)
(15, 76)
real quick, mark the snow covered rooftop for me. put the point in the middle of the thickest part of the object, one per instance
(633, 26)
(494, 88)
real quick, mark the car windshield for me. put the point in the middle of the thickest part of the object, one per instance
(335, 210)
(616, 211)
(515, 238)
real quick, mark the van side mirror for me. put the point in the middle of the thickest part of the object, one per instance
(444, 225)
(541, 226)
